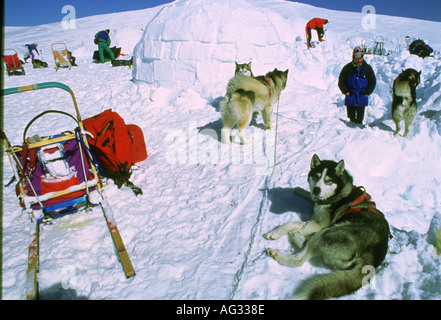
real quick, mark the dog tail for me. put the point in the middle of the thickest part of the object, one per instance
(331, 285)
(244, 83)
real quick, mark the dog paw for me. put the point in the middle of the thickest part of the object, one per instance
(272, 253)
(270, 236)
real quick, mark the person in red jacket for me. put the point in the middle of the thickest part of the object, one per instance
(315, 24)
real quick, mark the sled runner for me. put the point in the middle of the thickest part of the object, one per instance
(13, 63)
(61, 55)
(56, 176)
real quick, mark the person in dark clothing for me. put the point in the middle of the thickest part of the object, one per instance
(31, 47)
(72, 59)
(357, 81)
(102, 39)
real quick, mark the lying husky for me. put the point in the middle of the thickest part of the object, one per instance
(243, 69)
(404, 99)
(246, 95)
(37, 63)
(347, 232)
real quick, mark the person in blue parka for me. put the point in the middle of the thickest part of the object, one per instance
(102, 39)
(357, 81)
(30, 54)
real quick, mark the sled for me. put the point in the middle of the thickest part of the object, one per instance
(61, 56)
(56, 176)
(13, 64)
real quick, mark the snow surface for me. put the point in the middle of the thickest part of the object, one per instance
(196, 233)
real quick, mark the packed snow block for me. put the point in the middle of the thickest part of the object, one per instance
(245, 53)
(163, 70)
(225, 52)
(215, 71)
(185, 72)
(190, 52)
(177, 30)
(154, 48)
(270, 53)
(145, 68)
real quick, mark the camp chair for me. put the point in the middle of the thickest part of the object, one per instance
(13, 63)
(56, 175)
(61, 56)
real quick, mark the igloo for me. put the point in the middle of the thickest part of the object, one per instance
(191, 41)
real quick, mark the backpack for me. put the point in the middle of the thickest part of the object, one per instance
(117, 146)
(419, 48)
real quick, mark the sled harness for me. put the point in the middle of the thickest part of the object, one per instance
(266, 80)
(364, 201)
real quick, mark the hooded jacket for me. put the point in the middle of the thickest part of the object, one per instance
(359, 83)
(103, 36)
(316, 23)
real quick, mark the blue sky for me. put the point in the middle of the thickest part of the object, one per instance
(31, 13)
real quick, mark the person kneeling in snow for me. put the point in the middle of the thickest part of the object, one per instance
(102, 39)
(357, 81)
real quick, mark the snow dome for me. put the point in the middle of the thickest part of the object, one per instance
(199, 40)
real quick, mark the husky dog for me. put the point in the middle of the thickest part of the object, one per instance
(120, 63)
(404, 99)
(347, 232)
(246, 95)
(243, 69)
(37, 63)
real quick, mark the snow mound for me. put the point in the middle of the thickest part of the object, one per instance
(195, 41)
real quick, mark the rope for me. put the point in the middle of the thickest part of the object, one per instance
(263, 204)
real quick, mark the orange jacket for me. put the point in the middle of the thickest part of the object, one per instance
(316, 22)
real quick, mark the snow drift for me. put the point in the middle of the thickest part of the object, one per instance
(196, 233)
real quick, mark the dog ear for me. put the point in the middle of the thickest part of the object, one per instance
(315, 161)
(340, 168)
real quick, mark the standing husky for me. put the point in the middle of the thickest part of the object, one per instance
(404, 99)
(246, 95)
(347, 232)
(243, 69)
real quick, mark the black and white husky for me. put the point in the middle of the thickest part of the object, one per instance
(347, 232)
(404, 99)
(243, 69)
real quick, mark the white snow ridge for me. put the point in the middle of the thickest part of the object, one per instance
(196, 232)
